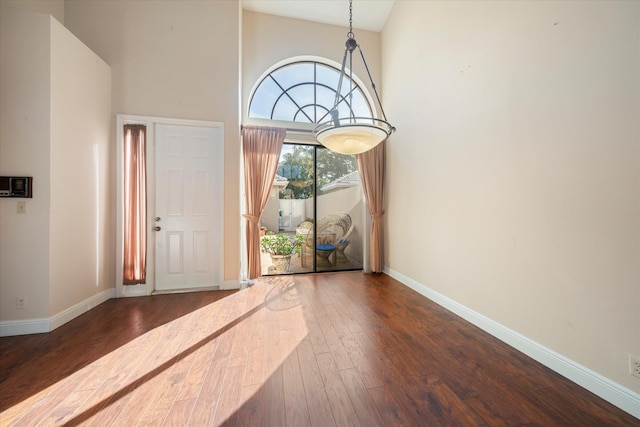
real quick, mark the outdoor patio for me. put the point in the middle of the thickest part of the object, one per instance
(296, 265)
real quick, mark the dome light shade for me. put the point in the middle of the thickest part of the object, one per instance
(352, 138)
(351, 135)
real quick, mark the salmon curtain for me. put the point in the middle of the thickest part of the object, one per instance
(135, 205)
(371, 165)
(261, 153)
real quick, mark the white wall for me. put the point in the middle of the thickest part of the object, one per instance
(82, 233)
(513, 179)
(55, 126)
(271, 214)
(175, 59)
(24, 151)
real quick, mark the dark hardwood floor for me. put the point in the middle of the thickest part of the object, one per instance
(338, 349)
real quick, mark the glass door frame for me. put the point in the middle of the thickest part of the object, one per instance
(313, 249)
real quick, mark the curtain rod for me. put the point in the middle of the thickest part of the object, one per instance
(288, 129)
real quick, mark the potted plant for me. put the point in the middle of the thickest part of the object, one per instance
(280, 246)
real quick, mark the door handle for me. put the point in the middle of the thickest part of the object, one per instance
(157, 228)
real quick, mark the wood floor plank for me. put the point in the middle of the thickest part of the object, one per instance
(142, 399)
(450, 408)
(228, 401)
(274, 413)
(99, 385)
(255, 372)
(314, 333)
(335, 345)
(206, 405)
(32, 411)
(343, 349)
(371, 374)
(274, 349)
(66, 409)
(344, 309)
(407, 399)
(343, 411)
(198, 364)
(250, 413)
(179, 413)
(577, 407)
(295, 400)
(390, 412)
(363, 405)
(484, 411)
(314, 390)
(118, 390)
(239, 351)
(161, 405)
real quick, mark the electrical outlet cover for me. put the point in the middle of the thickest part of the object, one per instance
(634, 365)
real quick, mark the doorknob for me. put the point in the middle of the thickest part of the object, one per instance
(157, 228)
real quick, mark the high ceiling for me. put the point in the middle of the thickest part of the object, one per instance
(367, 14)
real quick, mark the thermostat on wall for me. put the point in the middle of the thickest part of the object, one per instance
(16, 186)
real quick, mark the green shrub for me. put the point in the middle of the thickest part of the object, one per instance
(280, 244)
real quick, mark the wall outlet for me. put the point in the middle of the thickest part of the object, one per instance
(634, 365)
(21, 303)
(22, 207)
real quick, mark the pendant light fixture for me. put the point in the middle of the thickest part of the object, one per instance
(351, 134)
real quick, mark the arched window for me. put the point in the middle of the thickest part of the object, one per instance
(304, 92)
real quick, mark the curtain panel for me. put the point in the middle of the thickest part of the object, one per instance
(135, 205)
(371, 166)
(261, 153)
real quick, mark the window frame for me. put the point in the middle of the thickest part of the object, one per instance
(307, 126)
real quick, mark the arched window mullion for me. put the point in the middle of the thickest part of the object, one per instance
(280, 78)
(315, 91)
(286, 92)
(343, 99)
(308, 105)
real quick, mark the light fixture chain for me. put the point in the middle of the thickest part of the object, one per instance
(350, 34)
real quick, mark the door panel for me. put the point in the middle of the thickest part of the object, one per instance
(339, 209)
(189, 206)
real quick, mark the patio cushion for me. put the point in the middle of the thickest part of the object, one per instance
(325, 247)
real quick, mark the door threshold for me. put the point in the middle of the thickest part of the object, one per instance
(183, 291)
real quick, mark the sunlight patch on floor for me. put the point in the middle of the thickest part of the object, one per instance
(249, 333)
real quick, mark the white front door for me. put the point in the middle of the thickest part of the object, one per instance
(188, 207)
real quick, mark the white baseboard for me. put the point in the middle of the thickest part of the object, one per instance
(614, 393)
(10, 328)
(139, 290)
(230, 284)
(44, 325)
(72, 312)
(40, 326)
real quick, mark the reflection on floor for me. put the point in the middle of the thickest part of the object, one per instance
(346, 263)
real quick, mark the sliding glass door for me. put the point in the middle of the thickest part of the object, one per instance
(316, 196)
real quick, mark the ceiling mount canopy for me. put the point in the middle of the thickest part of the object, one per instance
(350, 134)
